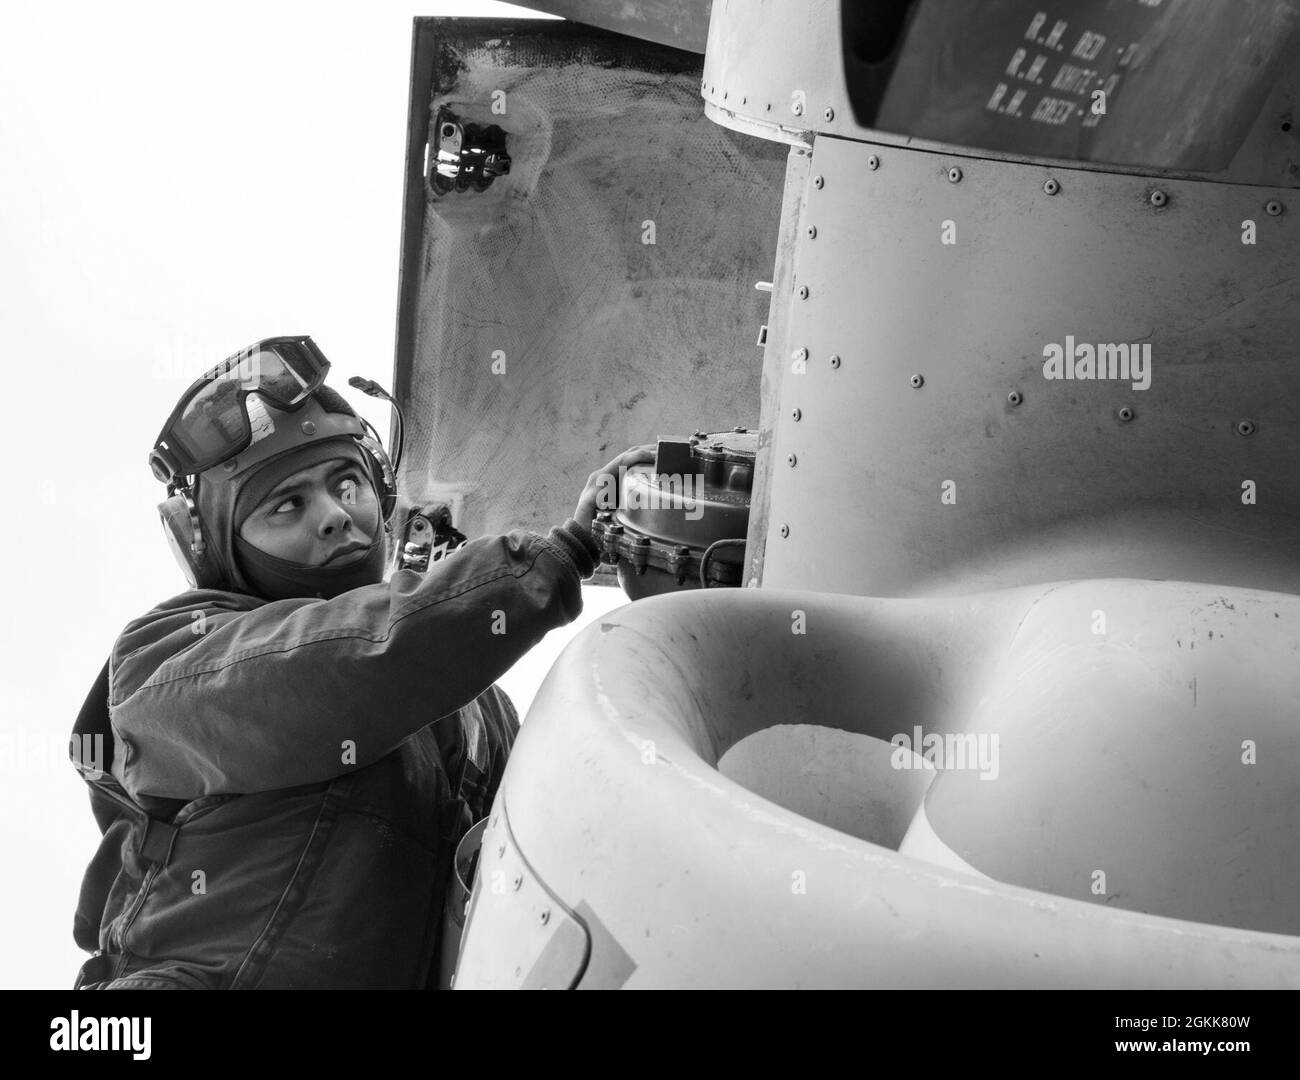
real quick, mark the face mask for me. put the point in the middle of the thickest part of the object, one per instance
(280, 579)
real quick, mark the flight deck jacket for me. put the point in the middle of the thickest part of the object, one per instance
(286, 781)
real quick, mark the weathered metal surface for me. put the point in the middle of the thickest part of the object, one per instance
(539, 334)
(1193, 88)
(683, 24)
(1120, 751)
(949, 487)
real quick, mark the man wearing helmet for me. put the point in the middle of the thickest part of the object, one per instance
(294, 745)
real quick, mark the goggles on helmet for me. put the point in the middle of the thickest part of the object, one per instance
(211, 422)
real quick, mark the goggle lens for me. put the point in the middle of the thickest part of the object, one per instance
(213, 425)
(212, 420)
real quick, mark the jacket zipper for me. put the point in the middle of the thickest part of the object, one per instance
(123, 922)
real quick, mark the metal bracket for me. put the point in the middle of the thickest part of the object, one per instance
(641, 552)
(428, 537)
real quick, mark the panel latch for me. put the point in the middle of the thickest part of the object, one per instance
(463, 156)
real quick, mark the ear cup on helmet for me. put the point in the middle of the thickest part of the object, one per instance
(189, 543)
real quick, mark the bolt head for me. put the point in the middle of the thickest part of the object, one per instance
(1052, 187)
(545, 916)
(308, 427)
(803, 292)
(829, 114)
(800, 354)
(873, 162)
(518, 882)
(791, 460)
(835, 360)
(819, 182)
(1273, 208)
(1245, 427)
(1159, 198)
(796, 413)
(812, 232)
(954, 175)
(797, 109)
(1126, 414)
(917, 381)
(785, 530)
(1014, 397)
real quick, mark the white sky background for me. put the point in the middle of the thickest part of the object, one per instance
(174, 183)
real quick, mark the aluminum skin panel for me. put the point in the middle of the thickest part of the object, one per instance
(889, 488)
(1191, 88)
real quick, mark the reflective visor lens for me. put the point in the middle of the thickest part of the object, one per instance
(213, 424)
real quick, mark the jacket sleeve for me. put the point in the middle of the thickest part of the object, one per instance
(219, 693)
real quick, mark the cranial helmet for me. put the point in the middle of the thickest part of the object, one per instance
(199, 514)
